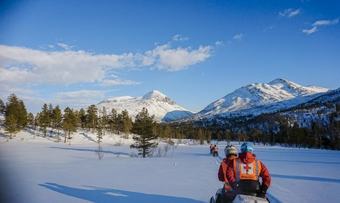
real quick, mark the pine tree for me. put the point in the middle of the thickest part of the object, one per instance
(44, 119)
(113, 121)
(100, 133)
(104, 118)
(100, 129)
(91, 117)
(167, 132)
(227, 135)
(69, 123)
(22, 115)
(77, 115)
(2, 107)
(143, 127)
(57, 119)
(15, 115)
(208, 136)
(200, 136)
(82, 118)
(50, 115)
(30, 120)
(11, 125)
(126, 122)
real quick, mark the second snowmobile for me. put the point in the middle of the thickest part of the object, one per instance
(239, 198)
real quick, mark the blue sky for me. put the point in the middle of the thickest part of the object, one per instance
(80, 52)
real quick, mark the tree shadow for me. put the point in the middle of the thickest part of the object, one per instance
(88, 137)
(95, 194)
(318, 179)
(93, 150)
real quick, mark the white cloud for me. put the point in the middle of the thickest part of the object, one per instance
(80, 97)
(64, 46)
(310, 31)
(290, 12)
(179, 37)
(15, 75)
(320, 23)
(22, 70)
(326, 22)
(24, 65)
(117, 81)
(174, 59)
(219, 43)
(238, 36)
(57, 67)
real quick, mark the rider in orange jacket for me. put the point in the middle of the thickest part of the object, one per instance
(245, 172)
(227, 194)
(230, 153)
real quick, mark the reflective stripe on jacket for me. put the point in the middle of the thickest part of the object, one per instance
(246, 171)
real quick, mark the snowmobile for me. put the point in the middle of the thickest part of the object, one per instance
(239, 198)
(211, 148)
(215, 153)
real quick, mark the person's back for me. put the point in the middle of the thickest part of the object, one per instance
(230, 154)
(245, 172)
(227, 193)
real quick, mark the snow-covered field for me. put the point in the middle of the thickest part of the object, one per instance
(40, 170)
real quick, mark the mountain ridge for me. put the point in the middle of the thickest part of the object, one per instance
(157, 103)
(257, 98)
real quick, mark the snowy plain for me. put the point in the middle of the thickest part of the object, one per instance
(42, 170)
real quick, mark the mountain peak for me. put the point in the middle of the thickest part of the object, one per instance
(280, 81)
(154, 94)
(258, 97)
(157, 103)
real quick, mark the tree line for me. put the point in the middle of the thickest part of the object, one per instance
(51, 119)
(266, 129)
(272, 129)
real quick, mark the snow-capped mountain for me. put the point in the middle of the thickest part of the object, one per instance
(158, 104)
(258, 98)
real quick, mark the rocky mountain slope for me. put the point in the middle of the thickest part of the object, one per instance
(157, 103)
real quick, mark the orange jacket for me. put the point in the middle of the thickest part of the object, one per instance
(222, 172)
(249, 158)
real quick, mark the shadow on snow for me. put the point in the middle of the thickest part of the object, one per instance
(92, 150)
(94, 194)
(272, 198)
(319, 179)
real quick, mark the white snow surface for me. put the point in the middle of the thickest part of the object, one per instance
(260, 98)
(157, 103)
(41, 170)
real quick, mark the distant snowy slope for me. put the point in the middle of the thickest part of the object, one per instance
(260, 98)
(157, 103)
(322, 109)
(331, 96)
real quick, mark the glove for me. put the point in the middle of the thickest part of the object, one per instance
(261, 194)
(234, 185)
(263, 191)
(227, 187)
